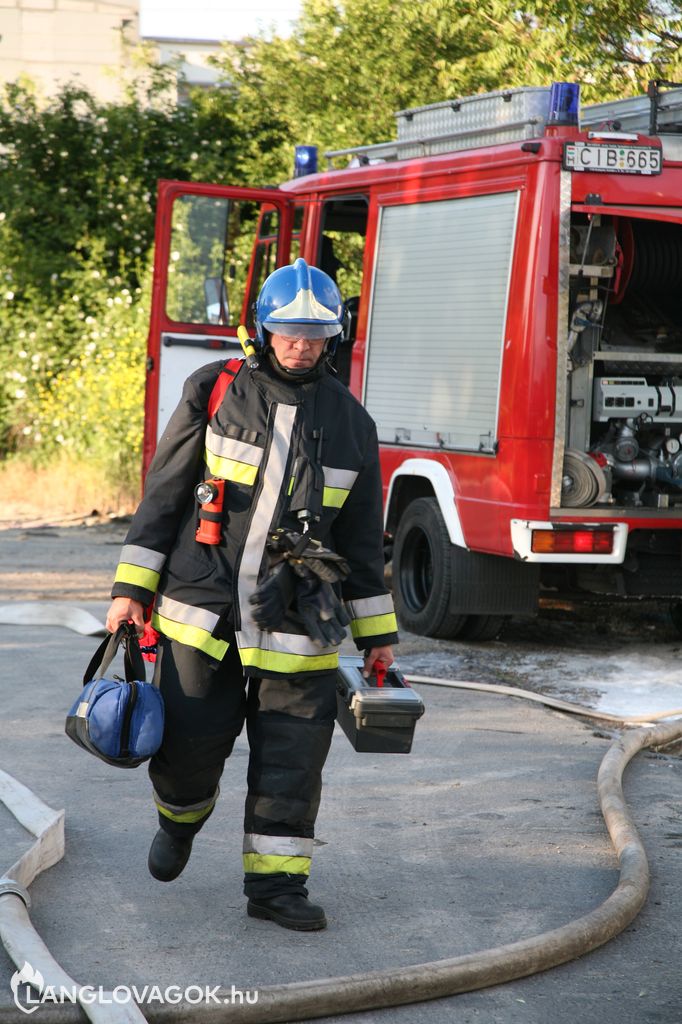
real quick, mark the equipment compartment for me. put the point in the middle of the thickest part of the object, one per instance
(624, 394)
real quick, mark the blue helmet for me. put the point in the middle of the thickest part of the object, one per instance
(299, 301)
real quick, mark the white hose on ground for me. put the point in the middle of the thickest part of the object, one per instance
(51, 613)
(43, 822)
(442, 978)
(550, 702)
(27, 950)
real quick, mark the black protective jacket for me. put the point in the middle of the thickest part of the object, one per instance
(200, 591)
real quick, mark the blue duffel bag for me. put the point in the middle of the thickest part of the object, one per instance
(119, 721)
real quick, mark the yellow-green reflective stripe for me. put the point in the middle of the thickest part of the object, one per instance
(188, 817)
(269, 863)
(137, 575)
(291, 485)
(192, 636)
(254, 657)
(334, 497)
(374, 625)
(230, 469)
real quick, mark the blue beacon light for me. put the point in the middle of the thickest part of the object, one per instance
(564, 104)
(305, 160)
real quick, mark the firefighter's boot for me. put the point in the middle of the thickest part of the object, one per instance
(291, 910)
(168, 855)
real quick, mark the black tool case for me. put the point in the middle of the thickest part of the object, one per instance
(376, 719)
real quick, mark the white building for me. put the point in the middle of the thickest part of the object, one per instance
(88, 42)
(193, 60)
(56, 41)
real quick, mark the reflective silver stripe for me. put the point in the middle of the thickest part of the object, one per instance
(254, 546)
(362, 607)
(286, 846)
(133, 554)
(185, 613)
(228, 448)
(184, 808)
(343, 478)
(292, 643)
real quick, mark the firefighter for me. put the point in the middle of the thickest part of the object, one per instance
(299, 457)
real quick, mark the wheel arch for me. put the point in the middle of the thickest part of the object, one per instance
(423, 478)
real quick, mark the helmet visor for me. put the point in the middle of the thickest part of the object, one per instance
(309, 331)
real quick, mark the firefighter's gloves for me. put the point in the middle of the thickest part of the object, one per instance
(307, 556)
(314, 600)
(272, 599)
(301, 580)
(323, 614)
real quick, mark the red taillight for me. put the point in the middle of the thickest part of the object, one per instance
(572, 542)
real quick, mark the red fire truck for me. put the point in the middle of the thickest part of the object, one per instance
(515, 278)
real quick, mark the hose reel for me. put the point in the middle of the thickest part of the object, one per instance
(583, 480)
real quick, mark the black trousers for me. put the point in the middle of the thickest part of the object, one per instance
(289, 724)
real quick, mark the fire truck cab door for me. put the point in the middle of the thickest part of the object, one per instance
(214, 248)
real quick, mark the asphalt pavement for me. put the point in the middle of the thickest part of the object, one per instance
(488, 832)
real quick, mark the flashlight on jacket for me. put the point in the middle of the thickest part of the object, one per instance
(211, 495)
(247, 347)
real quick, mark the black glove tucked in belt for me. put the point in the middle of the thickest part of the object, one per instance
(323, 614)
(271, 600)
(302, 577)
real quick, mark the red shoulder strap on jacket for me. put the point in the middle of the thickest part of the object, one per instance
(225, 378)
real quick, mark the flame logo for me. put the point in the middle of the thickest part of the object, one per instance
(26, 976)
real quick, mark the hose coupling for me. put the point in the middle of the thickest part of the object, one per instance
(8, 885)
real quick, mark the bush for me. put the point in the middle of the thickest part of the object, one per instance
(74, 380)
(77, 206)
(78, 178)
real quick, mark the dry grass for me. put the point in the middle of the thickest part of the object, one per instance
(64, 488)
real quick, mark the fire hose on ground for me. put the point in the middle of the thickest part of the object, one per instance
(376, 989)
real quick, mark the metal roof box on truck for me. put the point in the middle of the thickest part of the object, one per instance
(513, 275)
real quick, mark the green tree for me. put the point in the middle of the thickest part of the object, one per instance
(614, 47)
(77, 204)
(338, 80)
(351, 64)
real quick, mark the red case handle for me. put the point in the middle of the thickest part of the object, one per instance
(380, 671)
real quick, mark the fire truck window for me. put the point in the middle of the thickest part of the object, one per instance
(268, 224)
(341, 254)
(342, 242)
(210, 252)
(265, 253)
(297, 234)
(264, 262)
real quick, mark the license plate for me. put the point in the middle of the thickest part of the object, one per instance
(611, 157)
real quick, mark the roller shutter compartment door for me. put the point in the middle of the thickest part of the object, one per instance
(437, 322)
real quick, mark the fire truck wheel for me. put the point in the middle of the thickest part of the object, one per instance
(422, 572)
(483, 627)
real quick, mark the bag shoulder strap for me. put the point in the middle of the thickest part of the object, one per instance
(225, 378)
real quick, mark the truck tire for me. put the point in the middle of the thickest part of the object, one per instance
(483, 627)
(422, 572)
